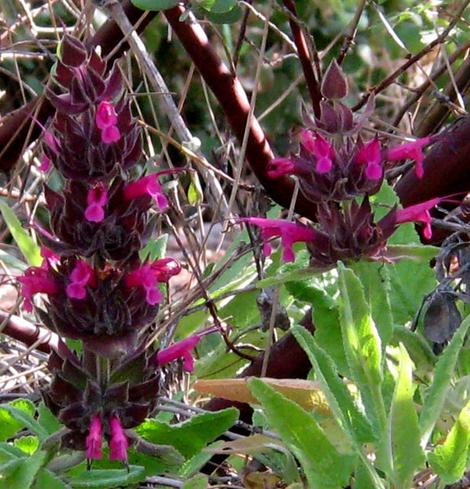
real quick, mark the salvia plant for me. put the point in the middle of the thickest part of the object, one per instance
(96, 287)
(343, 289)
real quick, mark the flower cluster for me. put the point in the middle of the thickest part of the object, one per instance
(336, 169)
(94, 286)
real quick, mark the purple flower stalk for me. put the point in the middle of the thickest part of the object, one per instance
(94, 440)
(289, 233)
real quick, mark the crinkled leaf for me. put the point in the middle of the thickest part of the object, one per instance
(408, 456)
(199, 481)
(22, 472)
(28, 444)
(107, 478)
(324, 467)
(450, 459)
(192, 435)
(47, 480)
(24, 418)
(436, 394)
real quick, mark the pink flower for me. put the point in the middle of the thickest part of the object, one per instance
(148, 185)
(51, 141)
(110, 134)
(289, 233)
(106, 115)
(36, 280)
(181, 349)
(279, 167)
(94, 439)
(320, 148)
(106, 120)
(45, 164)
(414, 213)
(412, 151)
(370, 155)
(50, 258)
(118, 444)
(148, 276)
(81, 276)
(96, 199)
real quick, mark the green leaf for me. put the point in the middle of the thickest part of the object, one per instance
(218, 6)
(47, 420)
(282, 278)
(154, 249)
(324, 467)
(408, 456)
(47, 480)
(339, 398)
(154, 5)
(376, 282)
(436, 394)
(9, 452)
(195, 194)
(230, 17)
(107, 478)
(26, 244)
(192, 435)
(28, 444)
(24, 418)
(449, 460)
(199, 481)
(22, 472)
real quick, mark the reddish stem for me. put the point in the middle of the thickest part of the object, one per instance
(29, 334)
(234, 102)
(304, 57)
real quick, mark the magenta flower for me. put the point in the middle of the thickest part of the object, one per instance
(414, 213)
(106, 120)
(412, 151)
(289, 233)
(45, 164)
(81, 276)
(36, 280)
(279, 167)
(96, 199)
(148, 185)
(181, 349)
(94, 439)
(106, 115)
(118, 444)
(50, 258)
(370, 155)
(320, 148)
(110, 134)
(165, 268)
(148, 276)
(51, 141)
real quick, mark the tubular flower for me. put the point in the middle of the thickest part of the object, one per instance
(370, 155)
(118, 444)
(106, 115)
(412, 151)
(289, 233)
(36, 280)
(96, 199)
(414, 213)
(181, 349)
(81, 276)
(320, 148)
(148, 185)
(94, 440)
(148, 276)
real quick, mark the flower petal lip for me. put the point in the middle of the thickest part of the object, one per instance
(94, 439)
(289, 232)
(412, 151)
(181, 349)
(118, 444)
(106, 115)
